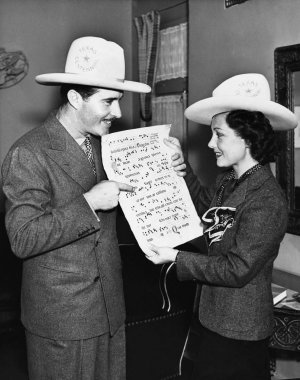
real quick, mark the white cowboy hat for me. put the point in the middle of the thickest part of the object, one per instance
(245, 91)
(96, 62)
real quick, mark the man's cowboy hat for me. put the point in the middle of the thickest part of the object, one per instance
(245, 91)
(93, 61)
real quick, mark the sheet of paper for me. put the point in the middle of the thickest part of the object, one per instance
(160, 210)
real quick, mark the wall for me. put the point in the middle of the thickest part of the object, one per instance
(226, 42)
(44, 30)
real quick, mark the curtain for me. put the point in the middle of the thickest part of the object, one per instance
(172, 58)
(170, 110)
(172, 64)
(148, 37)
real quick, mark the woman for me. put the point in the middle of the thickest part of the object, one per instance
(245, 217)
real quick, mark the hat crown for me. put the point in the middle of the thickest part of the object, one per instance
(95, 56)
(242, 92)
(244, 85)
(95, 62)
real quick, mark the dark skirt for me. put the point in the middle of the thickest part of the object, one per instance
(221, 358)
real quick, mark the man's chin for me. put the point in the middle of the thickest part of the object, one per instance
(103, 130)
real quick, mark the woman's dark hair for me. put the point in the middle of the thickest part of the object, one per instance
(84, 91)
(256, 130)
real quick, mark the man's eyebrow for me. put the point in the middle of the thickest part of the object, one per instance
(113, 98)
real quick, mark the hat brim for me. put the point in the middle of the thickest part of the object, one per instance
(279, 116)
(56, 79)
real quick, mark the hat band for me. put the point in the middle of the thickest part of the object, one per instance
(106, 78)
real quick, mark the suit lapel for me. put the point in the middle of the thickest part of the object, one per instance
(68, 155)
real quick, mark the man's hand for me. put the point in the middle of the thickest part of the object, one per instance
(105, 195)
(162, 255)
(177, 158)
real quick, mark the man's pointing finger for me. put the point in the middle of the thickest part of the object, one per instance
(125, 187)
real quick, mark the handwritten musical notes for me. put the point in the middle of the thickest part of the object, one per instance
(160, 210)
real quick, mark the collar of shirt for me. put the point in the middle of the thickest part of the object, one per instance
(80, 140)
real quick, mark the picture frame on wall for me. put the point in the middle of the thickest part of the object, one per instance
(297, 130)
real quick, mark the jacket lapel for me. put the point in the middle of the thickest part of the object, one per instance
(251, 183)
(65, 151)
(237, 196)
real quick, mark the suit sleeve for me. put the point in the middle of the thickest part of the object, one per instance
(260, 230)
(33, 223)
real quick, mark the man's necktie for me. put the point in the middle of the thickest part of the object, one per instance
(89, 153)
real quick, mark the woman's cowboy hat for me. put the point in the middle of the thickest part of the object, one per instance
(245, 91)
(93, 61)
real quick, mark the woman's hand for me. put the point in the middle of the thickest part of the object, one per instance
(177, 158)
(162, 255)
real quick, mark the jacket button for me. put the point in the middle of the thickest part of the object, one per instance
(96, 278)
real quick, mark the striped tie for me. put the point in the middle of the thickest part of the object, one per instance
(89, 153)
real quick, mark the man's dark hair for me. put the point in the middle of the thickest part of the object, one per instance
(84, 91)
(255, 128)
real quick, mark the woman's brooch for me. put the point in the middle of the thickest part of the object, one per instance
(217, 220)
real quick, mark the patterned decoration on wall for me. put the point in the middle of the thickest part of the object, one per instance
(13, 68)
(230, 3)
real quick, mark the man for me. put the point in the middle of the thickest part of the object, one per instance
(61, 220)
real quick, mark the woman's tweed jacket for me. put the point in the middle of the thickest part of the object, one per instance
(236, 275)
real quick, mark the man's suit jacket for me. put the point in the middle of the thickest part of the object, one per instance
(72, 277)
(236, 299)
